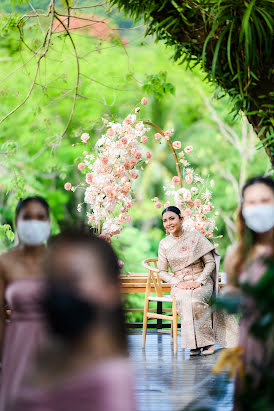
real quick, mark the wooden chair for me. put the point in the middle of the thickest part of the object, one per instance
(154, 281)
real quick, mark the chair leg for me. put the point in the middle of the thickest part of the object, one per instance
(174, 324)
(145, 322)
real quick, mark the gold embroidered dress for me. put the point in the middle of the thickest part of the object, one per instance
(191, 258)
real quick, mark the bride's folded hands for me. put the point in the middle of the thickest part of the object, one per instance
(189, 285)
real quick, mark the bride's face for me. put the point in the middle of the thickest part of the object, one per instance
(172, 223)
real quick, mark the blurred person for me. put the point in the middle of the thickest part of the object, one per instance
(246, 264)
(194, 280)
(20, 284)
(86, 366)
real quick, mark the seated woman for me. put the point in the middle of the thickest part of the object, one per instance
(194, 263)
(85, 366)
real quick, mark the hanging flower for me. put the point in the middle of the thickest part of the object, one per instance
(177, 145)
(85, 137)
(144, 101)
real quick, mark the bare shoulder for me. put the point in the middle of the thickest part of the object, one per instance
(6, 258)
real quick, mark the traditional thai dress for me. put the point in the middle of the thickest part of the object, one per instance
(192, 257)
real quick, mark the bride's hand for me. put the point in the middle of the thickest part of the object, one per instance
(190, 285)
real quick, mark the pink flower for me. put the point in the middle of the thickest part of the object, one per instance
(148, 154)
(128, 218)
(85, 137)
(110, 132)
(209, 235)
(138, 155)
(127, 166)
(123, 140)
(181, 154)
(89, 178)
(155, 199)
(105, 121)
(120, 219)
(85, 153)
(206, 209)
(197, 203)
(118, 144)
(175, 180)
(189, 171)
(157, 136)
(132, 162)
(133, 151)
(177, 145)
(144, 139)
(128, 120)
(104, 160)
(187, 212)
(134, 175)
(184, 162)
(188, 149)
(190, 204)
(81, 166)
(167, 204)
(144, 101)
(67, 186)
(158, 205)
(189, 179)
(108, 189)
(167, 134)
(147, 161)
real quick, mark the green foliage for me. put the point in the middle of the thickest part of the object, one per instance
(157, 85)
(232, 39)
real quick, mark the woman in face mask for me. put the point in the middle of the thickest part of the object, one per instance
(246, 263)
(85, 366)
(20, 286)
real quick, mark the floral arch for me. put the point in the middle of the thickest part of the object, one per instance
(117, 160)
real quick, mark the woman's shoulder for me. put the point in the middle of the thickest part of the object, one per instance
(165, 242)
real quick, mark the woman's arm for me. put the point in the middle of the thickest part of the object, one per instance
(209, 263)
(163, 267)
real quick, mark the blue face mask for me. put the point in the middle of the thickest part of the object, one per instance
(259, 218)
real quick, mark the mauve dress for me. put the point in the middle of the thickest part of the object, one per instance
(105, 386)
(23, 334)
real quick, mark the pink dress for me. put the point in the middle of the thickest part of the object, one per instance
(23, 334)
(105, 386)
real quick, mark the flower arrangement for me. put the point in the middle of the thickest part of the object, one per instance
(115, 163)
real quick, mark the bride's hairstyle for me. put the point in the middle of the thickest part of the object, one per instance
(247, 237)
(173, 209)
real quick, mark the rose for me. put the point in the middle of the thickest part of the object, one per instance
(189, 171)
(175, 180)
(128, 120)
(158, 205)
(148, 154)
(190, 204)
(104, 160)
(144, 139)
(188, 149)
(155, 199)
(67, 186)
(85, 137)
(89, 178)
(187, 212)
(157, 136)
(134, 175)
(133, 151)
(123, 140)
(110, 132)
(85, 153)
(167, 204)
(206, 209)
(144, 101)
(132, 162)
(181, 154)
(128, 218)
(138, 155)
(167, 134)
(177, 145)
(189, 179)
(81, 166)
(197, 202)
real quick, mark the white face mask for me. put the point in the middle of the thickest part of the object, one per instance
(33, 232)
(259, 218)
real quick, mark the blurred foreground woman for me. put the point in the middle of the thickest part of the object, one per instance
(86, 366)
(250, 267)
(20, 285)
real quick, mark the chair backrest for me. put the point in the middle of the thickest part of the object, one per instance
(153, 275)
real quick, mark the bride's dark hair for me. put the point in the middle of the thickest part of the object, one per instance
(173, 209)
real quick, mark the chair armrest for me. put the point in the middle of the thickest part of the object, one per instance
(149, 268)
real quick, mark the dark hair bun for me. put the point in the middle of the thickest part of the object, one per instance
(173, 209)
